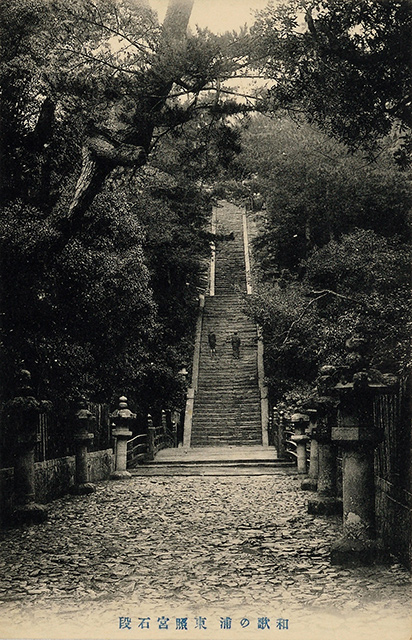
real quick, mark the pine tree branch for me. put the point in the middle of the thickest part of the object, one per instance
(319, 295)
(299, 318)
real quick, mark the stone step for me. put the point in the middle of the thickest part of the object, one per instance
(235, 428)
(238, 383)
(221, 387)
(227, 412)
(202, 439)
(233, 406)
(222, 421)
(231, 400)
(236, 394)
(241, 374)
(245, 410)
(213, 470)
(237, 366)
(245, 415)
(223, 441)
(222, 424)
(231, 436)
(211, 454)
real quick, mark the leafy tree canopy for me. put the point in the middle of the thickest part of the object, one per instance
(105, 258)
(358, 285)
(345, 63)
(315, 190)
(332, 256)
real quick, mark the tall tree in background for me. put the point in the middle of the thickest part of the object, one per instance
(332, 257)
(346, 64)
(88, 90)
(121, 135)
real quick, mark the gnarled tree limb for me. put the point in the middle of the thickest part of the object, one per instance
(101, 153)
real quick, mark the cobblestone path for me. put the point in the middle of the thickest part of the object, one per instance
(238, 547)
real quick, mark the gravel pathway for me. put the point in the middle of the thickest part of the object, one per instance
(241, 548)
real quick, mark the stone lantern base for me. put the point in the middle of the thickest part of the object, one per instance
(348, 552)
(325, 506)
(31, 513)
(120, 475)
(82, 489)
(309, 484)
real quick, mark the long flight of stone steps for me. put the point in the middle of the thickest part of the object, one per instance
(227, 401)
(226, 432)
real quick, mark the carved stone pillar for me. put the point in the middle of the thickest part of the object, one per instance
(83, 438)
(151, 432)
(326, 502)
(300, 421)
(121, 433)
(23, 411)
(311, 482)
(357, 435)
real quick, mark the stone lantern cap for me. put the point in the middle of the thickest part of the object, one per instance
(355, 421)
(123, 412)
(312, 416)
(121, 419)
(24, 408)
(300, 422)
(84, 419)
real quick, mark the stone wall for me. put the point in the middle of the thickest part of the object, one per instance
(54, 478)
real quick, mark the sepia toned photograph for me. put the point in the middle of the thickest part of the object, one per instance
(205, 319)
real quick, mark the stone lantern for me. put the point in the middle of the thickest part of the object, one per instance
(23, 411)
(300, 422)
(326, 501)
(83, 438)
(122, 418)
(311, 482)
(357, 435)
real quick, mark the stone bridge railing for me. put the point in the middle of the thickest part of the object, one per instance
(23, 415)
(144, 447)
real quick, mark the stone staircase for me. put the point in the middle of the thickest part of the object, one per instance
(215, 461)
(226, 432)
(227, 401)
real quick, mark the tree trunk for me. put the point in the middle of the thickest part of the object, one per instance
(177, 19)
(102, 154)
(88, 185)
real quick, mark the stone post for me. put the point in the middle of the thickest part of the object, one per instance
(300, 422)
(326, 501)
(24, 411)
(281, 435)
(151, 432)
(356, 434)
(82, 438)
(311, 482)
(121, 434)
(175, 426)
